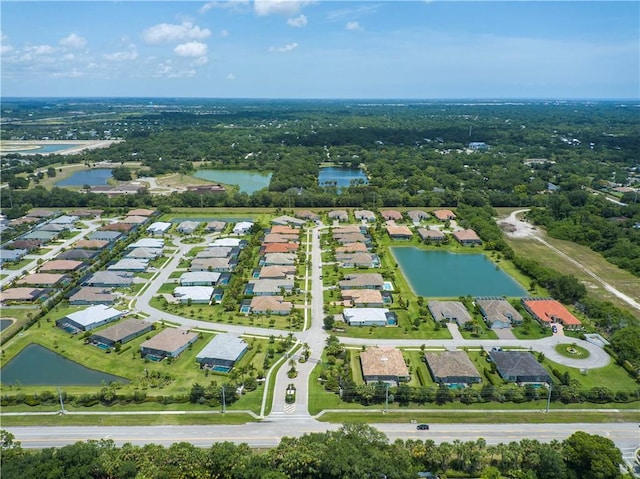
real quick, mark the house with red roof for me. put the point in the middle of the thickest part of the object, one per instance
(548, 311)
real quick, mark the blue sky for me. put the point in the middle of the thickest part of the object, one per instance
(321, 49)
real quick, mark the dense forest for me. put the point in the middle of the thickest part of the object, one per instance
(352, 452)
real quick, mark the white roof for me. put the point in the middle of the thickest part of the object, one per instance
(361, 315)
(226, 242)
(199, 276)
(195, 293)
(159, 226)
(94, 314)
(223, 346)
(242, 226)
(130, 264)
(147, 243)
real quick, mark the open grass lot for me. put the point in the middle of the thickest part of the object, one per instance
(618, 278)
(21, 316)
(261, 215)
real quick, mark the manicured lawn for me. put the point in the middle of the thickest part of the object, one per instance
(572, 351)
(16, 266)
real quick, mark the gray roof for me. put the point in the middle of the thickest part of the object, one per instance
(498, 309)
(108, 235)
(446, 364)
(43, 235)
(159, 226)
(78, 254)
(364, 279)
(89, 293)
(170, 340)
(12, 254)
(451, 310)
(224, 346)
(147, 243)
(124, 328)
(518, 364)
(199, 277)
(64, 219)
(94, 314)
(271, 285)
(124, 278)
(216, 252)
(144, 253)
(130, 264)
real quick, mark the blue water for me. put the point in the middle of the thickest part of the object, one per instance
(47, 148)
(36, 365)
(5, 323)
(341, 176)
(442, 274)
(95, 177)
(247, 181)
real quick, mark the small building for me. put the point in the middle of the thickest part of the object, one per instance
(113, 279)
(193, 294)
(362, 281)
(399, 232)
(215, 226)
(478, 146)
(121, 332)
(519, 367)
(269, 287)
(346, 238)
(467, 237)
(348, 229)
(338, 215)
(92, 295)
(44, 236)
(452, 311)
(288, 220)
(280, 238)
(391, 215)
(152, 243)
(284, 230)
(452, 367)
(130, 264)
(47, 280)
(222, 352)
(363, 298)
(365, 215)
(21, 295)
(188, 227)
(270, 305)
(29, 245)
(444, 215)
(498, 313)
(168, 343)
(416, 216)
(384, 364)
(431, 235)
(159, 228)
(91, 318)
(42, 213)
(368, 316)
(199, 278)
(60, 266)
(55, 228)
(548, 311)
(109, 236)
(87, 213)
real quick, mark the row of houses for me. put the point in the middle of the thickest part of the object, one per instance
(452, 368)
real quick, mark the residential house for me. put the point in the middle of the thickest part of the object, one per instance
(350, 238)
(352, 248)
(548, 311)
(233, 242)
(86, 213)
(416, 216)
(88, 319)
(452, 367)
(444, 215)
(391, 215)
(21, 295)
(384, 364)
(269, 287)
(280, 238)
(45, 280)
(362, 281)
(283, 259)
(308, 215)
(44, 236)
(119, 226)
(279, 248)
(151, 243)
(193, 294)
(467, 237)
(288, 220)
(399, 232)
(452, 311)
(29, 245)
(363, 298)
(188, 227)
(431, 235)
(242, 227)
(277, 272)
(219, 252)
(168, 343)
(220, 265)
(112, 279)
(270, 305)
(130, 264)
(78, 254)
(91, 244)
(60, 266)
(141, 212)
(222, 352)
(159, 228)
(519, 367)
(215, 226)
(368, 316)
(358, 260)
(121, 332)
(498, 313)
(135, 220)
(199, 278)
(365, 215)
(284, 230)
(109, 236)
(338, 215)
(12, 255)
(478, 146)
(348, 229)
(144, 253)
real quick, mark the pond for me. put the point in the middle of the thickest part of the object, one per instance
(340, 177)
(442, 274)
(5, 323)
(246, 180)
(94, 177)
(36, 365)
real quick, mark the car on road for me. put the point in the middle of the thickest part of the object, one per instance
(422, 427)
(554, 329)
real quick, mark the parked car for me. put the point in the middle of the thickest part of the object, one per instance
(423, 427)
(554, 329)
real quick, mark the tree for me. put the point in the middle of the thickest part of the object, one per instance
(121, 173)
(590, 456)
(328, 322)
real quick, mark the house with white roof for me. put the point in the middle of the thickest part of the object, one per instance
(188, 227)
(158, 228)
(242, 227)
(222, 352)
(367, 316)
(193, 294)
(199, 278)
(157, 243)
(232, 242)
(130, 264)
(88, 319)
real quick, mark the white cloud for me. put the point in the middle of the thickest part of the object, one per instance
(224, 33)
(363, 10)
(280, 7)
(353, 26)
(39, 50)
(231, 76)
(201, 61)
(233, 5)
(285, 49)
(73, 73)
(73, 41)
(167, 70)
(122, 56)
(191, 49)
(172, 33)
(297, 22)
(4, 49)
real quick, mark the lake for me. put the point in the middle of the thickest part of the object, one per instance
(342, 177)
(444, 274)
(5, 323)
(36, 365)
(94, 177)
(247, 181)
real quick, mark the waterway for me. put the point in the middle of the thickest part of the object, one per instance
(445, 274)
(340, 177)
(95, 177)
(246, 180)
(36, 365)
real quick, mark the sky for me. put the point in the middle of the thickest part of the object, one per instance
(321, 49)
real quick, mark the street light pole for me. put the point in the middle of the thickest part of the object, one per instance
(549, 398)
(386, 401)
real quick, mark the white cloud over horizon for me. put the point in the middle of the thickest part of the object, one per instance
(174, 33)
(297, 22)
(284, 49)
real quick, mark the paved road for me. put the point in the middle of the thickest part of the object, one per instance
(269, 433)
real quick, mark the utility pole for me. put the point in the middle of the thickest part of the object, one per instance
(549, 398)
(62, 411)
(386, 400)
(223, 400)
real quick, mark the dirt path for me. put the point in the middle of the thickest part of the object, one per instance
(516, 228)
